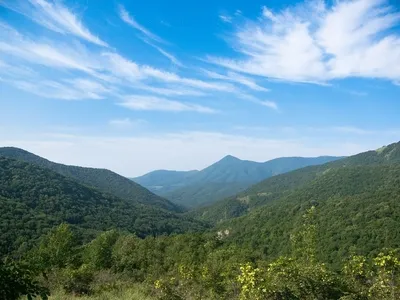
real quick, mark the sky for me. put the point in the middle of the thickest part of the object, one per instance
(135, 86)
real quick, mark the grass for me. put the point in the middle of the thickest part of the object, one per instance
(131, 293)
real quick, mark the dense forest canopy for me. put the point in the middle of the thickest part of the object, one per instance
(34, 199)
(101, 179)
(321, 232)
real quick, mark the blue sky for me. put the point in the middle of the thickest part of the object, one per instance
(135, 86)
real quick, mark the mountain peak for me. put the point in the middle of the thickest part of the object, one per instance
(230, 158)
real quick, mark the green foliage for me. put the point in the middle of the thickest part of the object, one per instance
(377, 278)
(100, 179)
(289, 248)
(17, 280)
(34, 200)
(357, 207)
(207, 266)
(78, 281)
(57, 249)
(98, 253)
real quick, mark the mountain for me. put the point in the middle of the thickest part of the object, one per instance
(101, 179)
(224, 178)
(162, 181)
(280, 186)
(35, 199)
(357, 207)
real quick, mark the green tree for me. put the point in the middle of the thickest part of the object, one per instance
(57, 249)
(98, 253)
(17, 280)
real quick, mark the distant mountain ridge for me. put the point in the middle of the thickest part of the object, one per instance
(276, 187)
(224, 178)
(101, 179)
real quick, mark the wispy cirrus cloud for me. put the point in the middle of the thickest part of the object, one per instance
(54, 16)
(148, 36)
(126, 123)
(235, 77)
(266, 103)
(171, 90)
(127, 18)
(125, 68)
(71, 70)
(168, 55)
(354, 130)
(225, 18)
(315, 42)
(45, 52)
(139, 102)
(76, 89)
(109, 67)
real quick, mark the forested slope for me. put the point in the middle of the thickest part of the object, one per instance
(34, 199)
(358, 207)
(101, 179)
(282, 185)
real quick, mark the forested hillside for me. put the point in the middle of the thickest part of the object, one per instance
(34, 199)
(224, 178)
(323, 232)
(101, 179)
(358, 207)
(283, 185)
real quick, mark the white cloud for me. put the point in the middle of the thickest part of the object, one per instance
(73, 71)
(76, 89)
(168, 55)
(225, 18)
(16, 71)
(196, 83)
(235, 77)
(171, 90)
(109, 67)
(47, 53)
(316, 43)
(269, 104)
(139, 102)
(127, 18)
(54, 16)
(266, 103)
(122, 67)
(128, 69)
(126, 123)
(353, 130)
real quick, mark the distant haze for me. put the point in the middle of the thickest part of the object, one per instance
(135, 156)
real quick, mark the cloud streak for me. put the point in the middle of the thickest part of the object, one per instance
(126, 123)
(235, 77)
(139, 102)
(77, 89)
(148, 35)
(317, 43)
(104, 67)
(54, 16)
(128, 19)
